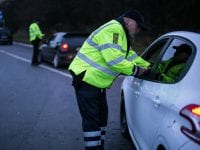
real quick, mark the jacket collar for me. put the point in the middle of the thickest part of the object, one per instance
(121, 21)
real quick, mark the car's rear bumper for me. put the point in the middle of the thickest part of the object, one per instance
(66, 58)
(4, 40)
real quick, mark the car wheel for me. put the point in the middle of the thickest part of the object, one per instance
(40, 57)
(123, 120)
(56, 61)
(161, 147)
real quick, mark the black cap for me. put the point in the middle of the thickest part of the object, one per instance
(183, 48)
(137, 16)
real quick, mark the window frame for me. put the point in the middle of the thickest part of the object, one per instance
(152, 71)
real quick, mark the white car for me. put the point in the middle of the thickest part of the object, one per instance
(162, 115)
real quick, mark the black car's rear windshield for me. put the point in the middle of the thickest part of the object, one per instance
(76, 39)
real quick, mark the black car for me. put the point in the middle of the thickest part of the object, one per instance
(61, 48)
(5, 36)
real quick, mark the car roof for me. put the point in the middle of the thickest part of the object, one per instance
(4, 28)
(183, 33)
(60, 33)
(192, 36)
(71, 33)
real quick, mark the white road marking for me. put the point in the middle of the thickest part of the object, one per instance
(23, 44)
(42, 66)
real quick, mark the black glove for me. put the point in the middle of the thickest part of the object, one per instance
(139, 71)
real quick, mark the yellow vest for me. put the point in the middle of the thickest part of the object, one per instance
(102, 56)
(34, 32)
(172, 73)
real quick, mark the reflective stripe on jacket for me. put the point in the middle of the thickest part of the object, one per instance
(34, 32)
(102, 56)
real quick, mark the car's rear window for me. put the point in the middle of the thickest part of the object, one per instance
(75, 40)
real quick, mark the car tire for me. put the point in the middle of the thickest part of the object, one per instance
(123, 120)
(56, 61)
(161, 147)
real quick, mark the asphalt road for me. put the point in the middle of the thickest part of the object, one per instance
(38, 109)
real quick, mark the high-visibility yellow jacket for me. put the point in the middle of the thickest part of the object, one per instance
(34, 32)
(172, 73)
(102, 56)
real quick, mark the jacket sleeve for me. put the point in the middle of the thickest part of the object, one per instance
(137, 60)
(39, 34)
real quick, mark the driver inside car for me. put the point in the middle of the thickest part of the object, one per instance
(170, 70)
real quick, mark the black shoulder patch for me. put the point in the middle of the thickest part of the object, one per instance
(115, 38)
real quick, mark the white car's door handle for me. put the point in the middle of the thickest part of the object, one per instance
(137, 83)
(156, 101)
(137, 93)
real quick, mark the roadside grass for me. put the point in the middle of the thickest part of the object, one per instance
(142, 42)
(21, 36)
(139, 46)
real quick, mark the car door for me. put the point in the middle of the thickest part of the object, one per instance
(52, 45)
(152, 95)
(48, 51)
(145, 99)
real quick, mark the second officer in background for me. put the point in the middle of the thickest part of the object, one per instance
(35, 37)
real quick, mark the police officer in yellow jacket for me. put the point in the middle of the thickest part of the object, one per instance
(35, 37)
(102, 57)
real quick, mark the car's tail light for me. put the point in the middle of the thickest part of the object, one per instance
(64, 47)
(192, 114)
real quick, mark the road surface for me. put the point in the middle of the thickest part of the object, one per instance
(38, 109)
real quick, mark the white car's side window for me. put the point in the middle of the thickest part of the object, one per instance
(51, 42)
(169, 59)
(152, 55)
(154, 51)
(174, 61)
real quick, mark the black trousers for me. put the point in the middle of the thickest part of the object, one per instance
(36, 44)
(93, 108)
